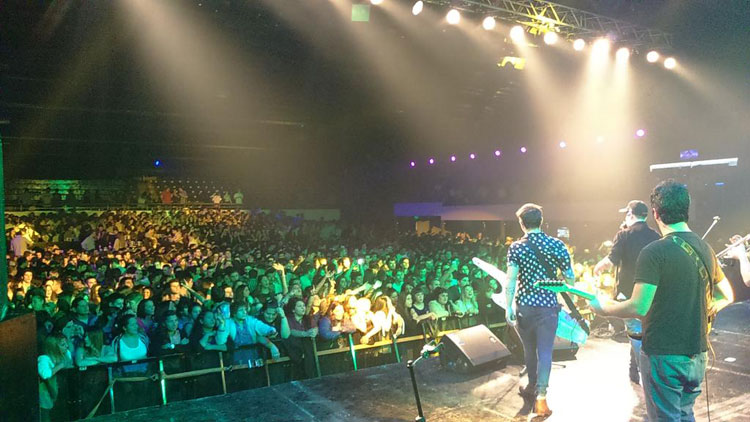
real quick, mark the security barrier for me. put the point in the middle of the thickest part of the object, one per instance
(101, 389)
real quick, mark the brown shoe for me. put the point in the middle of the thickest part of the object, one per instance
(541, 410)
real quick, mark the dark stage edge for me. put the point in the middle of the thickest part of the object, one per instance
(594, 387)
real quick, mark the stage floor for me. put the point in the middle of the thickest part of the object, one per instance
(593, 387)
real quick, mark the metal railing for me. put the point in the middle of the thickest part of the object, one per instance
(118, 373)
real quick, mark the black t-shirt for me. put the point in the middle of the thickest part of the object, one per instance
(276, 323)
(676, 324)
(625, 249)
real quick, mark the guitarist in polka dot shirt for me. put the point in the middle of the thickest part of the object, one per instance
(532, 309)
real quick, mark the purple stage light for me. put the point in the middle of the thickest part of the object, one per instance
(523, 150)
(413, 164)
(640, 133)
(472, 156)
(497, 153)
(688, 154)
(431, 161)
(453, 158)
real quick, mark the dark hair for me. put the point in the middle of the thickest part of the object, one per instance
(78, 300)
(218, 294)
(61, 322)
(34, 291)
(293, 303)
(530, 215)
(141, 312)
(420, 288)
(113, 297)
(236, 305)
(203, 314)
(671, 200)
(122, 322)
(401, 308)
(166, 315)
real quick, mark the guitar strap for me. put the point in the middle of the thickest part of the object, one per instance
(702, 269)
(551, 273)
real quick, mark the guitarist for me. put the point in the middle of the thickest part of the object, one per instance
(534, 309)
(678, 285)
(626, 246)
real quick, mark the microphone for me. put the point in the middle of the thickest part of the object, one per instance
(430, 349)
(716, 220)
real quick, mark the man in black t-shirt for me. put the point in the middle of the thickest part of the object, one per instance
(674, 301)
(625, 250)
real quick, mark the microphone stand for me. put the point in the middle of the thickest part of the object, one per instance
(716, 220)
(428, 349)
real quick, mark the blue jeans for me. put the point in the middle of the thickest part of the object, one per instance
(634, 327)
(671, 383)
(537, 327)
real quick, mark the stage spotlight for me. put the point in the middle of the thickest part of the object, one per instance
(599, 139)
(523, 150)
(376, 2)
(579, 44)
(488, 23)
(550, 38)
(652, 56)
(453, 17)
(453, 158)
(670, 62)
(413, 164)
(601, 46)
(563, 144)
(498, 153)
(517, 33)
(622, 54)
(640, 133)
(431, 161)
(472, 156)
(157, 163)
(417, 8)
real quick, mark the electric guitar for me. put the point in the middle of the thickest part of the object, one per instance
(558, 286)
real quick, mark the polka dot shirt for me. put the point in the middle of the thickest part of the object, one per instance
(530, 270)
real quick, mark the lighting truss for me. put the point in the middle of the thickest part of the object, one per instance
(543, 16)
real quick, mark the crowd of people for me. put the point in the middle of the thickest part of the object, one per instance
(125, 285)
(143, 192)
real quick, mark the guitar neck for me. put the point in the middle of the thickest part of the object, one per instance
(581, 293)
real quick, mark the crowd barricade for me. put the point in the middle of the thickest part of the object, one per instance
(108, 388)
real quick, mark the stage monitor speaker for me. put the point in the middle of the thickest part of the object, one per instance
(472, 348)
(564, 349)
